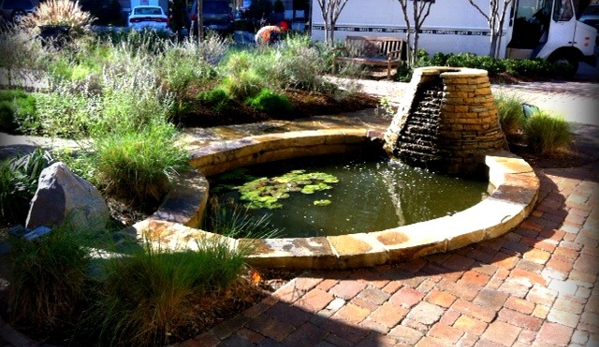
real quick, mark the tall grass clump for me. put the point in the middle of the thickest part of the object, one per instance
(132, 100)
(509, 111)
(241, 76)
(297, 63)
(233, 220)
(61, 12)
(18, 183)
(184, 69)
(139, 163)
(49, 276)
(81, 62)
(145, 296)
(546, 133)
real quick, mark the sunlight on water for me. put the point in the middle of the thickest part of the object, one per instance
(373, 193)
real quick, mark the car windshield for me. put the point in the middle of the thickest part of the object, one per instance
(147, 11)
(215, 7)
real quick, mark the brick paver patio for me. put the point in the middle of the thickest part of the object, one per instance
(531, 287)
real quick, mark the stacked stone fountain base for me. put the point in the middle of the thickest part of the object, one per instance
(447, 123)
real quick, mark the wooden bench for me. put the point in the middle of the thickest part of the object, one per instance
(372, 50)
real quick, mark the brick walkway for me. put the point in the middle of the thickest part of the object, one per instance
(533, 286)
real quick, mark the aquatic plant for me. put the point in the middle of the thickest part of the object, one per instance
(265, 192)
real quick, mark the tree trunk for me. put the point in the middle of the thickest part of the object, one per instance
(332, 29)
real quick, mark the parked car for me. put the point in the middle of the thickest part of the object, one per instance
(216, 15)
(590, 16)
(14, 10)
(148, 17)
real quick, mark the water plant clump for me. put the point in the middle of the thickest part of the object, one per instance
(265, 192)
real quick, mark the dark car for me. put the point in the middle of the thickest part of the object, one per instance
(14, 10)
(216, 15)
(591, 17)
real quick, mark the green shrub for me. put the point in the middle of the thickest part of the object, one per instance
(62, 112)
(138, 163)
(510, 114)
(269, 102)
(535, 68)
(18, 183)
(80, 162)
(404, 73)
(14, 106)
(546, 133)
(49, 276)
(218, 99)
(439, 59)
(144, 295)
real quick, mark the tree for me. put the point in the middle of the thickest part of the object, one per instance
(330, 12)
(420, 11)
(495, 18)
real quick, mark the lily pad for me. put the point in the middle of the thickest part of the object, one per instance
(265, 192)
(322, 202)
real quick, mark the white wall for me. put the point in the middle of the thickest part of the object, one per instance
(453, 26)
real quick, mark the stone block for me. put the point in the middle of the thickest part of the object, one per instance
(358, 250)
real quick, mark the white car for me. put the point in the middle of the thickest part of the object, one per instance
(148, 17)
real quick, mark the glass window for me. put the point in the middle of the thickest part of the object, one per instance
(563, 10)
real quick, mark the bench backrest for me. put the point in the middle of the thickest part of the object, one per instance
(374, 46)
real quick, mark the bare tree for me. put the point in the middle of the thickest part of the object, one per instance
(495, 18)
(200, 21)
(420, 10)
(330, 12)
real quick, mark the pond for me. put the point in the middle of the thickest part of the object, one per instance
(343, 194)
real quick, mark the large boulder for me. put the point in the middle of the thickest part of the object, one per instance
(63, 195)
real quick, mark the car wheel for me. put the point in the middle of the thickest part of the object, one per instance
(562, 58)
(17, 16)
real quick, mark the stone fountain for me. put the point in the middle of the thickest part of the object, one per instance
(447, 123)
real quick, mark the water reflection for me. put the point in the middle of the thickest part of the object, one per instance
(373, 193)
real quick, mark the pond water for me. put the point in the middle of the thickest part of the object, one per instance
(338, 194)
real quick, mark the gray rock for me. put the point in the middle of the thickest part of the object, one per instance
(63, 195)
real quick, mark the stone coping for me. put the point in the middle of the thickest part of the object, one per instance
(513, 199)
